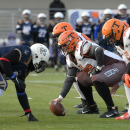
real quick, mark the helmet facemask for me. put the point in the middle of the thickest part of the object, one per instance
(40, 67)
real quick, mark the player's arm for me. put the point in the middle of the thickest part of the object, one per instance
(18, 27)
(6, 61)
(96, 52)
(11, 57)
(70, 78)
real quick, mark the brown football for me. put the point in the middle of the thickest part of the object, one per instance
(57, 108)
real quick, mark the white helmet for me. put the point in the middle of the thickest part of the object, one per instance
(41, 15)
(85, 14)
(26, 11)
(58, 15)
(122, 6)
(108, 11)
(39, 53)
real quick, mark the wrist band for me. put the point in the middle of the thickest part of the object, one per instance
(11, 77)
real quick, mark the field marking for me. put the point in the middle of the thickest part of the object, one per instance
(75, 90)
(39, 81)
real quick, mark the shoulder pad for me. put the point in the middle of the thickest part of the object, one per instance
(86, 46)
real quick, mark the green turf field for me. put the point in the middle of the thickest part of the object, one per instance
(42, 88)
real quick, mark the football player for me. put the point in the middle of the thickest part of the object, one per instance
(58, 17)
(87, 27)
(83, 81)
(123, 15)
(104, 68)
(26, 27)
(16, 62)
(83, 78)
(42, 31)
(119, 34)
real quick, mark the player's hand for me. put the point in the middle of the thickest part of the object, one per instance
(19, 83)
(57, 100)
(127, 80)
(94, 71)
(114, 88)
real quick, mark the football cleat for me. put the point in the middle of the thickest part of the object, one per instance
(84, 102)
(30, 117)
(87, 109)
(126, 109)
(110, 113)
(126, 116)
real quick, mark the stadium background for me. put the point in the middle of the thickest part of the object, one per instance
(10, 10)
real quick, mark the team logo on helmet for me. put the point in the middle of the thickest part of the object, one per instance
(43, 51)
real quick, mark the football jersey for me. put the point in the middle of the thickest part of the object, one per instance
(22, 66)
(125, 53)
(86, 64)
(42, 31)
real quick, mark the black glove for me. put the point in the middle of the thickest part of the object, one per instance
(30, 117)
(19, 83)
(94, 71)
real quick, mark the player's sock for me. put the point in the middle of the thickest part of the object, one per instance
(104, 92)
(23, 100)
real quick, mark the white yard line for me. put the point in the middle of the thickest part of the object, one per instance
(60, 88)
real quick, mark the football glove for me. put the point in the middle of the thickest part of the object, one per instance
(127, 80)
(30, 117)
(19, 83)
(94, 71)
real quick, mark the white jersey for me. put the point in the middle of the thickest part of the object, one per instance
(84, 63)
(125, 53)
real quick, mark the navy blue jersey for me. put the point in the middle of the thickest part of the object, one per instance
(25, 57)
(42, 34)
(123, 18)
(26, 28)
(86, 29)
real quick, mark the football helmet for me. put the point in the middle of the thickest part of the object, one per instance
(108, 11)
(68, 41)
(41, 17)
(113, 27)
(26, 13)
(40, 56)
(61, 27)
(58, 15)
(85, 14)
(122, 6)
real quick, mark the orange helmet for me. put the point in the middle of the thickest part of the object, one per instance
(126, 24)
(61, 27)
(69, 39)
(113, 27)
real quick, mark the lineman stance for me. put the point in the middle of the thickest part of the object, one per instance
(16, 62)
(104, 67)
(119, 34)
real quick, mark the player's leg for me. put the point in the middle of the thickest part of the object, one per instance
(89, 105)
(23, 100)
(109, 75)
(83, 99)
(126, 116)
(84, 79)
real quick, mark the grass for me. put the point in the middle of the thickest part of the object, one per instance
(45, 87)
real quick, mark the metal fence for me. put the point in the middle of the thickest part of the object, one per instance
(9, 18)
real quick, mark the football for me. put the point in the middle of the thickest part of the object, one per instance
(57, 108)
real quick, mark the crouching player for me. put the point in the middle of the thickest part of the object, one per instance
(119, 34)
(104, 68)
(16, 62)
